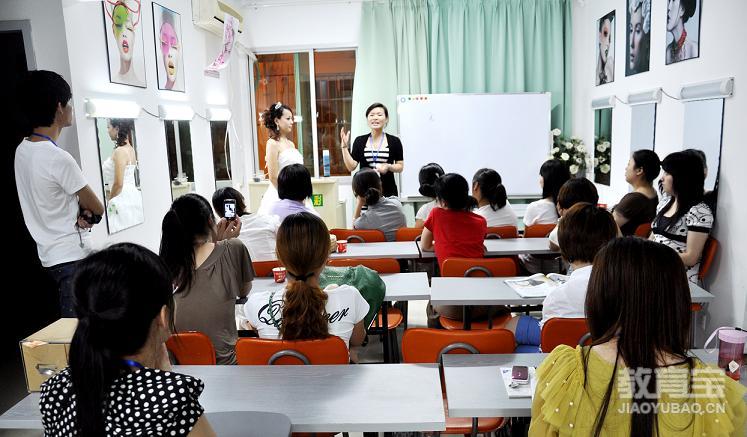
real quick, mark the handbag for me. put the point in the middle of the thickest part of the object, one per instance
(366, 281)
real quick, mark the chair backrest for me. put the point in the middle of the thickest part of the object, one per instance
(264, 268)
(559, 331)
(408, 234)
(706, 260)
(191, 348)
(495, 267)
(359, 235)
(262, 351)
(502, 232)
(381, 265)
(643, 230)
(425, 345)
(538, 231)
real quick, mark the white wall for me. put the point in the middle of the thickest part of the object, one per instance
(721, 26)
(279, 28)
(49, 44)
(90, 78)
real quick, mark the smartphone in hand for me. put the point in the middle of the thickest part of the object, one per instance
(229, 209)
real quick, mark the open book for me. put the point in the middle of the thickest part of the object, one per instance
(537, 285)
(525, 390)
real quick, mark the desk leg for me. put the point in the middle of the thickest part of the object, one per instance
(385, 327)
(474, 427)
(467, 317)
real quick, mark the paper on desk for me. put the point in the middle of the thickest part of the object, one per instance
(523, 390)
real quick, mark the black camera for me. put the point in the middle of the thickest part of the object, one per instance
(92, 219)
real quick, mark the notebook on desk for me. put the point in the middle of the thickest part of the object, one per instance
(519, 390)
(537, 285)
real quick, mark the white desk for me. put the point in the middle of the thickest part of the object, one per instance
(494, 291)
(508, 246)
(353, 398)
(474, 386)
(399, 286)
(389, 249)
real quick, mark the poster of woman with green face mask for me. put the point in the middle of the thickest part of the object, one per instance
(124, 41)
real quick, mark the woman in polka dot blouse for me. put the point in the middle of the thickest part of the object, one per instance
(119, 381)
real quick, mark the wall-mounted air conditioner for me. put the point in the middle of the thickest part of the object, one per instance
(209, 14)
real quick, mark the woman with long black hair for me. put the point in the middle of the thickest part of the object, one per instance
(637, 377)
(125, 307)
(683, 220)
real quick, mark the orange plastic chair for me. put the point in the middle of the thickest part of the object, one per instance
(559, 331)
(264, 268)
(470, 267)
(262, 351)
(408, 234)
(538, 231)
(643, 230)
(502, 232)
(394, 316)
(421, 345)
(709, 254)
(359, 235)
(191, 348)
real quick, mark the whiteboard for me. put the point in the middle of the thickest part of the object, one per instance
(509, 133)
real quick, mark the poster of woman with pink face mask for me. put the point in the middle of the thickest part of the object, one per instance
(168, 38)
(124, 41)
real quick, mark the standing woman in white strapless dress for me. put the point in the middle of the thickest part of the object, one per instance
(280, 150)
(124, 201)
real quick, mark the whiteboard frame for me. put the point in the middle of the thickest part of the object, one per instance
(538, 194)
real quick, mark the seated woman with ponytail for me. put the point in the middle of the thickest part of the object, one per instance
(300, 309)
(383, 213)
(125, 308)
(209, 268)
(492, 201)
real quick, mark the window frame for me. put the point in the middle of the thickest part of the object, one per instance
(310, 50)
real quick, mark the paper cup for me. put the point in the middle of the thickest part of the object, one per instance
(342, 246)
(279, 274)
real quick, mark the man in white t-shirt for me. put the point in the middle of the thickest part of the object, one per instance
(59, 207)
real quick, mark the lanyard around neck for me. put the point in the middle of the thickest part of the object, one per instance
(133, 363)
(375, 152)
(45, 137)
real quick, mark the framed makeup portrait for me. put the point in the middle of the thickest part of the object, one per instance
(167, 31)
(124, 41)
(683, 30)
(605, 71)
(638, 37)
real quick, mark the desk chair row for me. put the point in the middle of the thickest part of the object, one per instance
(420, 345)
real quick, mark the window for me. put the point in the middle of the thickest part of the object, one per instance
(287, 77)
(284, 77)
(333, 74)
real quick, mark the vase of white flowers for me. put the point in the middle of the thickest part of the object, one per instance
(571, 151)
(602, 152)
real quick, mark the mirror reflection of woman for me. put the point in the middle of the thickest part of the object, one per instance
(124, 201)
(125, 16)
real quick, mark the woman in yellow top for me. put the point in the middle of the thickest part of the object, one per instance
(636, 379)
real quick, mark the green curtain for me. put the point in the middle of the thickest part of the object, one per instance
(463, 46)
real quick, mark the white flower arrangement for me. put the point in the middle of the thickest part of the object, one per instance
(571, 151)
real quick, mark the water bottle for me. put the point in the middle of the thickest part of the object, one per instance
(325, 162)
